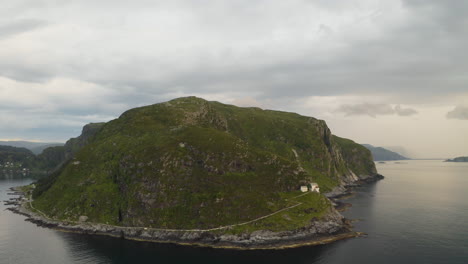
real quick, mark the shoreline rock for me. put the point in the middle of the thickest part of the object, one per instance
(330, 228)
(318, 233)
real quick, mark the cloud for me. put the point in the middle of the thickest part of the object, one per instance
(374, 110)
(20, 26)
(161, 47)
(404, 111)
(459, 112)
(66, 63)
(247, 102)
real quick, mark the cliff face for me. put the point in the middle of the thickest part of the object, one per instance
(190, 163)
(53, 157)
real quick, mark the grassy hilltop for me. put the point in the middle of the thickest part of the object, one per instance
(190, 163)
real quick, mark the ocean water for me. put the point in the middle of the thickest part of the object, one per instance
(417, 214)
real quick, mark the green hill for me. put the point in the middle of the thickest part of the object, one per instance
(190, 163)
(14, 160)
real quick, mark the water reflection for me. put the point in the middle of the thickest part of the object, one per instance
(102, 249)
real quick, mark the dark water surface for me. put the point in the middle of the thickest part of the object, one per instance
(418, 214)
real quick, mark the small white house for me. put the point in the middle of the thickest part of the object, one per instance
(304, 189)
(314, 187)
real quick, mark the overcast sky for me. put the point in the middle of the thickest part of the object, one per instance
(388, 73)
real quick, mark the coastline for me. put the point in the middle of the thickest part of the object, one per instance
(332, 228)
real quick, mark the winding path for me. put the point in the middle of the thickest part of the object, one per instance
(184, 230)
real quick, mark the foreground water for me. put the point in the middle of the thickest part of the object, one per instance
(416, 215)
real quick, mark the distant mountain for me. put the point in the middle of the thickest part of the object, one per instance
(399, 149)
(381, 154)
(50, 155)
(458, 159)
(35, 147)
(53, 157)
(39, 149)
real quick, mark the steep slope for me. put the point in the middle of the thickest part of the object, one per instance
(358, 158)
(189, 163)
(53, 157)
(382, 154)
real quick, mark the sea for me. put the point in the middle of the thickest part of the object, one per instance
(417, 214)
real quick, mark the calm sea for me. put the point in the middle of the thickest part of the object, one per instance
(418, 214)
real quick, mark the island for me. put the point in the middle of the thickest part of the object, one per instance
(197, 172)
(458, 159)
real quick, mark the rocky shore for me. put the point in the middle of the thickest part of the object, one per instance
(332, 227)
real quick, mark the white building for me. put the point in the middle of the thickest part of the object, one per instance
(314, 187)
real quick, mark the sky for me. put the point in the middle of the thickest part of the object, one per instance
(389, 73)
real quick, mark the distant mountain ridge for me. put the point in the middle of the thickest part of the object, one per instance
(458, 159)
(52, 155)
(382, 154)
(35, 147)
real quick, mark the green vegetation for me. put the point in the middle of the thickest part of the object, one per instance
(312, 205)
(35, 147)
(189, 163)
(22, 160)
(16, 160)
(358, 158)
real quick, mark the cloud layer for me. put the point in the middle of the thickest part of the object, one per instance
(158, 47)
(374, 110)
(460, 112)
(66, 63)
